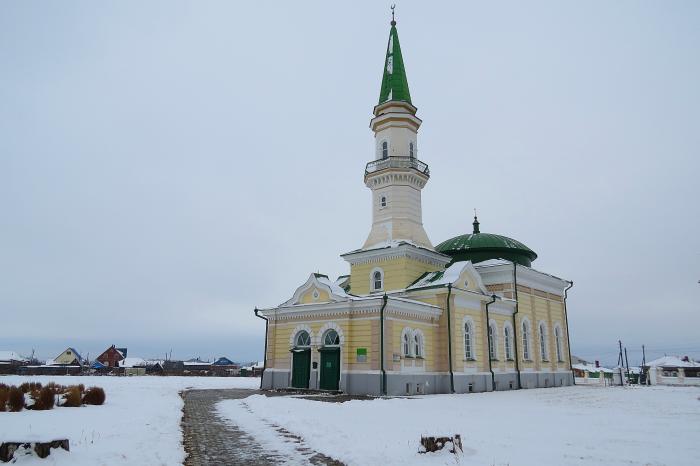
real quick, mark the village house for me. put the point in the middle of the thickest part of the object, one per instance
(10, 361)
(468, 315)
(672, 370)
(111, 356)
(69, 357)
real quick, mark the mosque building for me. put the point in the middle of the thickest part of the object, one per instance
(467, 315)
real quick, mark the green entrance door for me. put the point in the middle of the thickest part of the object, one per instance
(330, 368)
(301, 368)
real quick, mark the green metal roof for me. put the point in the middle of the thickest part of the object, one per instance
(394, 82)
(478, 247)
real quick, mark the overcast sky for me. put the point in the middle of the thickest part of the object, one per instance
(165, 167)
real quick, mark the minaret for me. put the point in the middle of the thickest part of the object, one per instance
(397, 250)
(396, 176)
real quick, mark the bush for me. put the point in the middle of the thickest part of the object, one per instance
(94, 396)
(72, 397)
(4, 395)
(45, 400)
(15, 399)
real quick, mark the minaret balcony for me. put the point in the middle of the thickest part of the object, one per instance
(397, 162)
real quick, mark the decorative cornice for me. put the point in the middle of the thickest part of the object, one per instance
(526, 276)
(400, 250)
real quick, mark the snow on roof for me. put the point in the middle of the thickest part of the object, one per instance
(132, 362)
(591, 368)
(337, 290)
(672, 361)
(11, 356)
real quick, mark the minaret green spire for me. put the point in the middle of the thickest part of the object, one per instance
(394, 82)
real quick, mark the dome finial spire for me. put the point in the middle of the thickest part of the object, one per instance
(476, 223)
(393, 21)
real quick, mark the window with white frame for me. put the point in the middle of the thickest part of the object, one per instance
(303, 339)
(493, 354)
(331, 338)
(382, 202)
(557, 341)
(418, 344)
(376, 280)
(526, 340)
(508, 342)
(411, 152)
(385, 149)
(543, 341)
(406, 343)
(469, 341)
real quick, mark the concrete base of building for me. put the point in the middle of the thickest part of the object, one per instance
(401, 384)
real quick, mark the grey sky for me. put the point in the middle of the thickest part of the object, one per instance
(167, 166)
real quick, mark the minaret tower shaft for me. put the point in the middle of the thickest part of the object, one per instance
(396, 176)
(397, 250)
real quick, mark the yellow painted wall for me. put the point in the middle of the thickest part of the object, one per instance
(398, 274)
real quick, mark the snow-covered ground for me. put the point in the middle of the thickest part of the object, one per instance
(563, 426)
(139, 424)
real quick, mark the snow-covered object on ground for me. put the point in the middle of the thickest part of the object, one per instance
(139, 424)
(563, 426)
(10, 356)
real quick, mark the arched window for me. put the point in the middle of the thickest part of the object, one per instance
(377, 280)
(411, 152)
(557, 341)
(469, 341)
(526, 341)
(382, 202)
(507, 336)
(385, 149)
(418, 344)
(492, 341)
(303, 339)
(406, 343)
(331, 338)
(543, 341)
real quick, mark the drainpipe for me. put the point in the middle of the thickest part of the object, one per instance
(267, 323)
(488, 341)
(449, 338)
(381, 345)
(568, 341)
(515, 325)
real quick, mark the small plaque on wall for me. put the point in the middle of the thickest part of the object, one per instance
(361, 354)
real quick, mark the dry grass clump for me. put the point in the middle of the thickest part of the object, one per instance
(72, 397)
(15, 399)
(4, 395)
(94, 396)
(46, 399)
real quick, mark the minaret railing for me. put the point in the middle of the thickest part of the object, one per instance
(397, 162)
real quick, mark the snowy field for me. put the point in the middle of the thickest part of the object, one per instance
(564, 426)
(139, 424)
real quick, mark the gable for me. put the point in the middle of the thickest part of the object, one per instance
(317, 289)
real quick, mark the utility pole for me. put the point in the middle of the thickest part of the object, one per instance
(644, 363)
(620, 363)
(627, 363)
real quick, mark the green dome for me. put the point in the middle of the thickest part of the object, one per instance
(479, 247)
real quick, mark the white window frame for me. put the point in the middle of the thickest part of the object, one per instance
(383, 201)
(469, 330)
(558, 343)
(508, 341)
(543, 335)
(372, 281)
(412, 150)
(525, 328)
(493, 340)
(418, 344)
(407, 343)
(384, 149)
